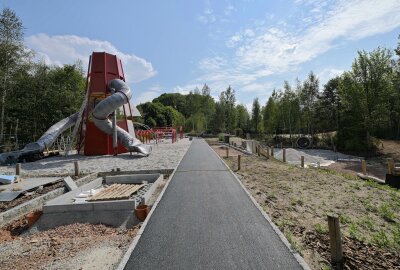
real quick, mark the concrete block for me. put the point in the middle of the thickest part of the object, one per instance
(114, 205)
(132, 179)
(60, 208)
(69, 183)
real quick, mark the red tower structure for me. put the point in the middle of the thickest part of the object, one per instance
(103, 67)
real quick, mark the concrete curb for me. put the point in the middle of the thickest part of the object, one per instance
(136, 239)
(297, 256)
(36, 203)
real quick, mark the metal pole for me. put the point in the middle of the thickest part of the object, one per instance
(114, 126)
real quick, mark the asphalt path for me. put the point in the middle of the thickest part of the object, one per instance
(205, 220)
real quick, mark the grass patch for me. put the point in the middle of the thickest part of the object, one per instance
(354, 232)
(386, 212)
(321, 229)
(295, 246)
(344, 219)
(381, 239)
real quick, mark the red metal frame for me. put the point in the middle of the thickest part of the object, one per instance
(103, 67)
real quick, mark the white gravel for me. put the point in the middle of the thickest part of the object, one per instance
(165, 155)
(312, 156)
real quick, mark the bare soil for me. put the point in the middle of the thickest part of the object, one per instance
(298, 200)
(76, 246)
(221, 150)
(376, 165)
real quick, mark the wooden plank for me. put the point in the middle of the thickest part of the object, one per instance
(116, 191)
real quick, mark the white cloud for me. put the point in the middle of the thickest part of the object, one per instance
(328, 73)
(145, 97)
(66, 49)
(229, 9)
(184, 90)
(265, 50)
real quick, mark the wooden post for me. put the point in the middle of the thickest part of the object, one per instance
(272, 151)
(390, 166)
(227, 151)
(335, 242)
(76, 167)
(364, 167)
(258, 150)
(267, 152)
(302, 161)
(284, 155)
(239, 158)
(18, 169)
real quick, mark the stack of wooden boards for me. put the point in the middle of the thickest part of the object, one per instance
(116, 192)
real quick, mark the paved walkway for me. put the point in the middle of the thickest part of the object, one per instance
(205, 220)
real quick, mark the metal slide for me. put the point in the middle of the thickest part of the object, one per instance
(34, 150)
(122, 94)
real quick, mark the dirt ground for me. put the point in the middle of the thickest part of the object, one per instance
(377, 165)
(299, 200)
(221, 150)
(76, 246)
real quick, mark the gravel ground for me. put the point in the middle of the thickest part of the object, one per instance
(324, 157)
(164, 156)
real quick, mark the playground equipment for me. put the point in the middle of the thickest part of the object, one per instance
(107, 94)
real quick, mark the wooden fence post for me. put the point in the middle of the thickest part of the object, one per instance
(335, 242)
(272, 151)
(302, 161)
(284, 155)
(227, 151)
(390, 166)
(364, 167)
(18, 169)
(239, 158)
(76, 168)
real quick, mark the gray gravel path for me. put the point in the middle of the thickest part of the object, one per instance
(164, 156)
(205, 220)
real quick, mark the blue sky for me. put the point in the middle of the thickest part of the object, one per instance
(174, 46)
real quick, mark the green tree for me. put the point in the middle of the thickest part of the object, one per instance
(365, 94)
(269, 114)
(227, 100)
(308, 98)
(12, 54)
(327, 108)
(256, 116)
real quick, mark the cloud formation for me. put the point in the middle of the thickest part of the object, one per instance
(261, 50)
(67, 49)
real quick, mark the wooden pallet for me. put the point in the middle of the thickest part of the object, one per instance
(116, 192)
